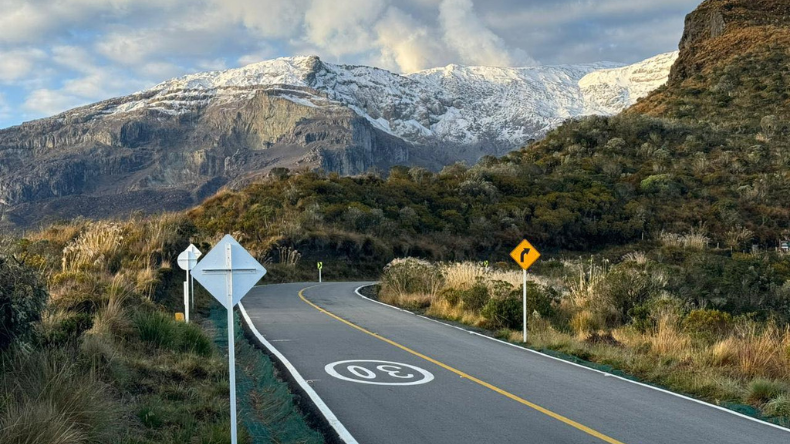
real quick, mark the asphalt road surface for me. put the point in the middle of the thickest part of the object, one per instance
(393, 377)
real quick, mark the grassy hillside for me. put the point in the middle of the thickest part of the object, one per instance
(90, 351)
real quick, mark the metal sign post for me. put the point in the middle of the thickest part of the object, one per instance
(525, 255)
(228, 272)
(320, 266)
(187, 261)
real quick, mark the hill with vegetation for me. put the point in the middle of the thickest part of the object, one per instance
(679, 205)
(660, 230)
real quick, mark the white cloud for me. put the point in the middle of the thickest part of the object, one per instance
(267, 18)
(465, 33)
(73, 57)
(17, 64)
(128, 48)
(48, 102)
(22, 21)
(343, 27)
(5, 109)
(263, 52)
(407, 45)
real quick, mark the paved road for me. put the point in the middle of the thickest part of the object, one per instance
(466, 388)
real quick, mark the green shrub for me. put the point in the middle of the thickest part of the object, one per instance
(709, 323)
(65, 329)
(451, 295)
(504, 313)
(779, 406)
(641, 319)
(540, 299)
(476, 297)
(624, 287)
(22, 298)
(764, 390)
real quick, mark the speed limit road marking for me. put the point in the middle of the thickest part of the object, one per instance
(366, 371)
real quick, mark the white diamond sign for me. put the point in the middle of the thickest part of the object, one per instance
(228, 272)
(188, 258)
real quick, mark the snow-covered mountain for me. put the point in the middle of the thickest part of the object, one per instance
(609, 91)
(172, 145)
(455, 104)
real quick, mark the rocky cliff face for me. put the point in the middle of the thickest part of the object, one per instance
(712, 31)
(171, 146)
(81, 165)
(732, 70)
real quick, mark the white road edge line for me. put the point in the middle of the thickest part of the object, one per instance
(340, 429)
(611, 375)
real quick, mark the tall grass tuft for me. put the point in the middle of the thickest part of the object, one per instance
(50, 398)
(165, 332)
(95, 248)
(695, 240)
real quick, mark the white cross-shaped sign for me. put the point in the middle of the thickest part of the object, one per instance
(188, 258)
(228, 272)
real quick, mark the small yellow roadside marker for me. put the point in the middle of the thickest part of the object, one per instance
(180, 316)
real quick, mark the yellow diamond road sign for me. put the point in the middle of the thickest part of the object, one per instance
(525, 254)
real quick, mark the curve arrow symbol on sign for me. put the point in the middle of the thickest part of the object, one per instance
(524, 253)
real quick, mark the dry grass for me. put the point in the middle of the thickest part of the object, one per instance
(462, 275)
(694, 240)
(668, 340)
(716, 368)
(408, 301)
(94, 247)
(443, 309)
(585, 286)
(762, 350)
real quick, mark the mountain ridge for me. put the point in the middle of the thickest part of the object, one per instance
(191, 135)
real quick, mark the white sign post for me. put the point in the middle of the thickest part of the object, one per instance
(228, 272)
(320, 267)
(187, 261)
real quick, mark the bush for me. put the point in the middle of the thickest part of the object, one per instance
(60, 327)
(708, 323)
(451, 295)
(622, 289)
(779, 406)
(476, 297)
(504, 313)
(22, 298)
(540, 299)
(764, 390)
(165, 332)
(411, 276)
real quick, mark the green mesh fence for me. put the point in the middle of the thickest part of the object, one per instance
(265, 406)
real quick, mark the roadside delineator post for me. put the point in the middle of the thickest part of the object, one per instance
(320, 266)
(525, 255)
(187, 261)
(228, 272)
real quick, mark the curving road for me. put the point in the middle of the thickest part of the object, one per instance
(413, 380)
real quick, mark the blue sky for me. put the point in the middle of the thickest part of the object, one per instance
(58, 54)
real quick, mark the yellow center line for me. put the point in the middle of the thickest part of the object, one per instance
(496, 389)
